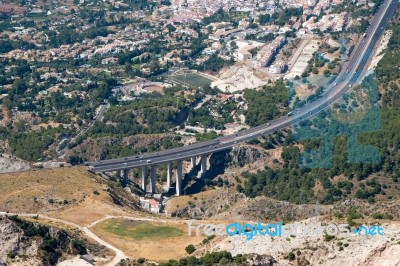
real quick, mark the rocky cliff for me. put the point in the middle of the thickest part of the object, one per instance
(26, 243)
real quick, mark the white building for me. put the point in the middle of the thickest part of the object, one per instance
(266, 55)
(277, 68)
(243, 55)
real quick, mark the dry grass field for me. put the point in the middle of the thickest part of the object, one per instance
(174, 203)
(69, 193)
(156, 241)
(32, 191)
(88, 211)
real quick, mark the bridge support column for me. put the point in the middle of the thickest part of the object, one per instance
(125, 179)
(118, 173)
(153, 179)
(144, 178)
(203, 164)
(179, 178)
(193, 161)
(169, 174)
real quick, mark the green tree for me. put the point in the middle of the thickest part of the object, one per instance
(190, 249)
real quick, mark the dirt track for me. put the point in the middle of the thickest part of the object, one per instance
(119, 255)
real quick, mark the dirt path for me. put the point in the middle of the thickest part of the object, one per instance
(160, 220)
(296, 55)
(119, 255)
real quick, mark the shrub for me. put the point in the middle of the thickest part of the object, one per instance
(207, 239)
(328, 238)
(291, 256)
(190, 249)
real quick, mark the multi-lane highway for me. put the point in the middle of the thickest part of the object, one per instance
(351, 73)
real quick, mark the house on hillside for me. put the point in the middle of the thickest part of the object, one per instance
(152, 205)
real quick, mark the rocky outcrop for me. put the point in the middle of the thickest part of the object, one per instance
(259, 260)
(244, 154)
(9, 163)
(11, 240)
(384, 255)
(317, 250)
(26, 243)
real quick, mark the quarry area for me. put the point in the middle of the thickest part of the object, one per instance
(282, 58)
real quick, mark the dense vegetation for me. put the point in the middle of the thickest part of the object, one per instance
(68, 35)
(31, 143)
(213, 258)
(266, 104)
(154, 113)
(281, 17)
(387, 70)
(214, 64)
(220, 16)
(204, 117)
(8, 45)
(355, 10)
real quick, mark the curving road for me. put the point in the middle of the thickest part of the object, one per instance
(350, 74)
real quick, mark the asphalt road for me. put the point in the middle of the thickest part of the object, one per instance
(350, 74)
(98, 117)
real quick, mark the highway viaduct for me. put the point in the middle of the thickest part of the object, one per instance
(149, 171)
(351, 74)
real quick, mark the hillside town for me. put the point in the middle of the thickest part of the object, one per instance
(69, 67)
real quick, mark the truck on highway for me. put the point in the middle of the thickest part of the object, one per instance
(290, 113)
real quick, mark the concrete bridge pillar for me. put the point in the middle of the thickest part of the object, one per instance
(118, 173)
(153, 179)
(193, 161)
(144, 178)
(125, 179)
(179, 175)
(203, 164)
(169, 174)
